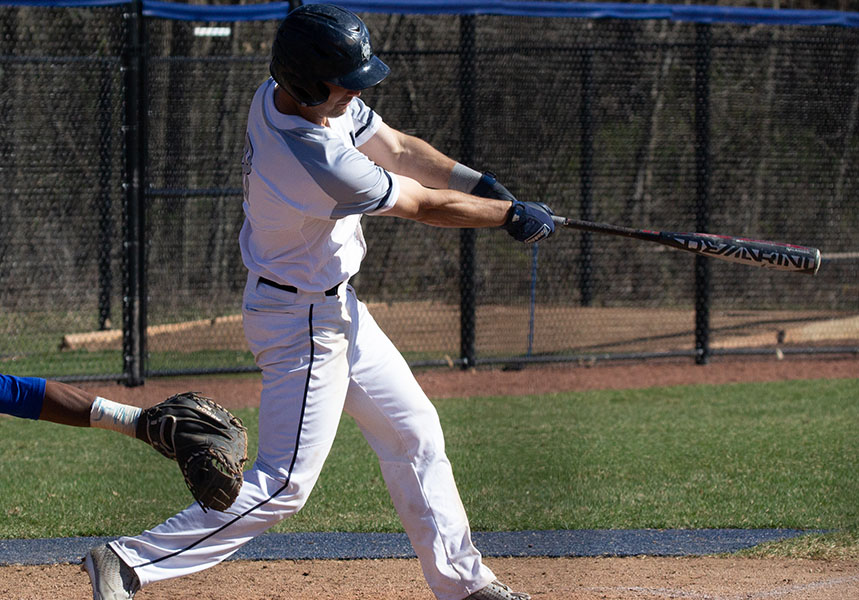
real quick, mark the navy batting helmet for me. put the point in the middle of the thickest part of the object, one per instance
(319, 43)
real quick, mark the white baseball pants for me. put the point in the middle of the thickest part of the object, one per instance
(321, 355)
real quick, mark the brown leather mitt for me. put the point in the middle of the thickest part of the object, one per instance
(209, 443)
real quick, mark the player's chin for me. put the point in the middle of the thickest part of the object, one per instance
(339, 110)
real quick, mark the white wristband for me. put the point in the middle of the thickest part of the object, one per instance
(107, 414)
(463, 179)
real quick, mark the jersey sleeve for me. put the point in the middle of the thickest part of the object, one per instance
(365, 121)
(351, 182)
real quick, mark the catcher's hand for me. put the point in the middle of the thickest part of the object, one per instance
(208, 442)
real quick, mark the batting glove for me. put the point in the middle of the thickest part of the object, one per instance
(488, 187)
(529, 222)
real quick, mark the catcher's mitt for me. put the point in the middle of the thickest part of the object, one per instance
(208, 442)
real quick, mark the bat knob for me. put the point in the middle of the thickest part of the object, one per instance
(817, 260)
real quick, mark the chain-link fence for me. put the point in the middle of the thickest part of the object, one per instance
(121, 139)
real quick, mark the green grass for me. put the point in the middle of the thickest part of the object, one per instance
(58, 364)
(69, 363)
(200, 360)
(743, 455)
(66, 363)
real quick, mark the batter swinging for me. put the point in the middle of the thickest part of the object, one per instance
(316, 160)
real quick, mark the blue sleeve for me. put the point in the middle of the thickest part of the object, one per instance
(21, 396)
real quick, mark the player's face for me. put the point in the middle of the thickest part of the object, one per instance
(338, 100)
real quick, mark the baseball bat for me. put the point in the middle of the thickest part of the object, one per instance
(759, 253)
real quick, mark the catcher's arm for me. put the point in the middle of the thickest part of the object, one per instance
(46, 400)
(66, 404)
(208, 442)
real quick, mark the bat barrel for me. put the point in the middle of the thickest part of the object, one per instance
(771, 255)
(760, 253)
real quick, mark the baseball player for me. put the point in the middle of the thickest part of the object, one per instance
(316, 160)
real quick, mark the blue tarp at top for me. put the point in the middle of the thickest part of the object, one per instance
(520, 8)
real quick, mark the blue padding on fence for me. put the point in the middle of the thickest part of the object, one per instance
(244, 12)
(603, 10)
(761, 16)
(520, 8)
(62, 3)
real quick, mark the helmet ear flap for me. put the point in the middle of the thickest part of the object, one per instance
(304, 96)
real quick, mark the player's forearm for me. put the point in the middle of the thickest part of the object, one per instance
(46, 400)
(425, 164)
(66, 404)
(447, 208)
(457, 212)
(69, 405)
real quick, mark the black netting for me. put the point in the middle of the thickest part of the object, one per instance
(60, 172)
(744, 130)
(200, 85)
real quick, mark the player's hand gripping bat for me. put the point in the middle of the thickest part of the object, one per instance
(759, 253)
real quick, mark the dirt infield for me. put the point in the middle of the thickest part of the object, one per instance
(545, 579)
(241, 391)
(558, 578)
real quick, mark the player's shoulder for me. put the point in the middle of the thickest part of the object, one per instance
(264, 113)
(264, 88)
(360, 111)
(365, 121)
(357, 106)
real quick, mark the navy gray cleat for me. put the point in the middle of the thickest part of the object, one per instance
(111, 578)
(497, 591)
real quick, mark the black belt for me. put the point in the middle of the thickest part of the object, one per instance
(292, 288)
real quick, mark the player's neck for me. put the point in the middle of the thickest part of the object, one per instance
(286, 104)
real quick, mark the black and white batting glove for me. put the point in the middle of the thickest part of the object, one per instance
(488, 187)
(529, 222)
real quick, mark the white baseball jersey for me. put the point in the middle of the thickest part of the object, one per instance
(306, 187)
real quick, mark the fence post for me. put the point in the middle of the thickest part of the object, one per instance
(702, 189)
(586, 211)
(134, 283)
(467, 237)
(105, 204)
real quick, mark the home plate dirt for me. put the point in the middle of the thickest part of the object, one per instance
(640, 578)
(401, 579)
